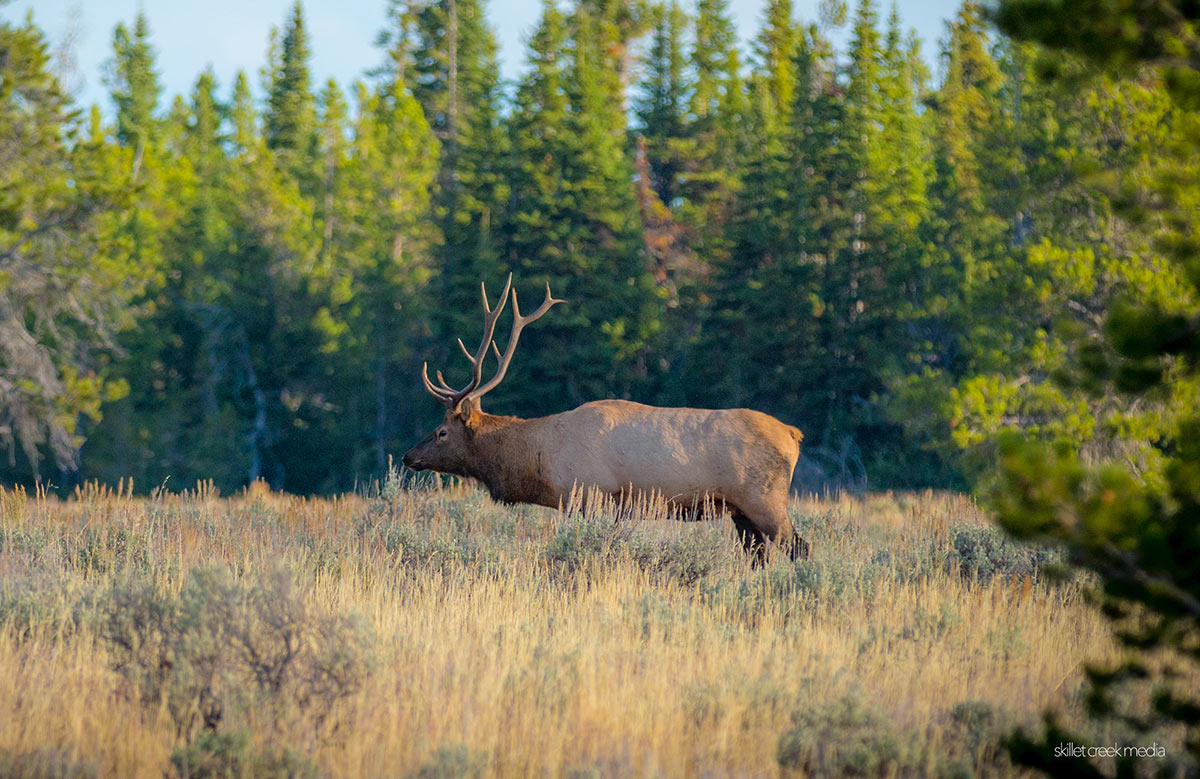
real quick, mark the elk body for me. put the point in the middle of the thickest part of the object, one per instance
(737, 457)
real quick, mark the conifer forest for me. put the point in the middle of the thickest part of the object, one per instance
(967, 270)
(908, 249)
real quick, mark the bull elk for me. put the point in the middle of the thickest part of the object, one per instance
(736, 457)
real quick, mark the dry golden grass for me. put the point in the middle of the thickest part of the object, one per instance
(517, 641)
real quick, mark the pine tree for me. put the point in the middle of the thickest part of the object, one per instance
(290, 117)
(333, 151)
(662, 105)
(661, 147)
(880, 250)
(961, 235)
(134, 84)
(149, 433)
(454, 76)
(126, 438)
(574, 217)
(742, 321)
(715, 42)
(396, 162)
(776, 50)
(1140, 535)
(67, 274)
(712, 141)
(135, 93)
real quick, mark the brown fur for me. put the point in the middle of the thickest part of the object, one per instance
(740, 457)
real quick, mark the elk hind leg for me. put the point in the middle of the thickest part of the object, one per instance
(753, 541)
(771, 520)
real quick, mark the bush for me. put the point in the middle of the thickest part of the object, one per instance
(846, 738)
(109, 549)
(699, 553)
(43, 764)
(34, 605)
(221, 647)
(454, 761)
(983, 553)
(224, 755)
(696, 553)
(582, 540)
(419, 545)
(833, 581)
(980, 728)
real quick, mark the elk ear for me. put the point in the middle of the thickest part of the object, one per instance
(468, 412)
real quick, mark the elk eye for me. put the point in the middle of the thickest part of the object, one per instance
(442, 434)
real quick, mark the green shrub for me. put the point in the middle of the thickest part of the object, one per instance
(454, 761)
(422, 545)
(835, 581)
(43, 763)
(228, 755)
(582, 540)
(34, 547)
(220, 647)
(978, 728)
(983, 552)
(846, 738)
(913, 559)
(35, 604)
(108, 549)
(699, 553)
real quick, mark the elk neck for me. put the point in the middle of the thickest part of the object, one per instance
(509, 460)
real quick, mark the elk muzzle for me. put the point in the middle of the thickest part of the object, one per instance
(412, 458)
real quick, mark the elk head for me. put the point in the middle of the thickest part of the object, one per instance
(450, 448)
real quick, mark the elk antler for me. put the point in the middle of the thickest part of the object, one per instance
(452, 398)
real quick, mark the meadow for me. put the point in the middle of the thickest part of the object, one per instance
(427, 631)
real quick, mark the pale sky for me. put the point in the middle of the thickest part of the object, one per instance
(232, 34)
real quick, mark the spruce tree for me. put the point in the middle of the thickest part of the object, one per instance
(387, 300)
(289, 124)
(574, 218)
(454, 76)
(661, 107)
(1139, 534)
(776, 50)
(67, 272)
(741, 322)
(712, 142)
(134, 83)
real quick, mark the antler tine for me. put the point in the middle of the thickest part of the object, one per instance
(519, 323)
(443, 395)
(447, 395)
(541, 311)
(490, 318)
(444, 384)
(450, 397)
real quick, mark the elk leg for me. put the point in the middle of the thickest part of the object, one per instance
(770, 519)
(751, 537)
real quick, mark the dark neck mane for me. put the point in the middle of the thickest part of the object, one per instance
(508, 459)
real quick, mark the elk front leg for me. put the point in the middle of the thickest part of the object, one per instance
(753, 540)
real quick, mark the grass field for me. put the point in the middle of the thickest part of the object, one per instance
(431, 632)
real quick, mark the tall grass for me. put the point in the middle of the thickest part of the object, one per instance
(431, 632)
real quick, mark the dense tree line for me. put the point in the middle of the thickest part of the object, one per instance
(1136, 530)
(231, 288)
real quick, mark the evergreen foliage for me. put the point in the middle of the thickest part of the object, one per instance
(68, 266)
(1133, 520)
(909, 271)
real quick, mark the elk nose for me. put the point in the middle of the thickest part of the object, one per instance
(410, 461)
